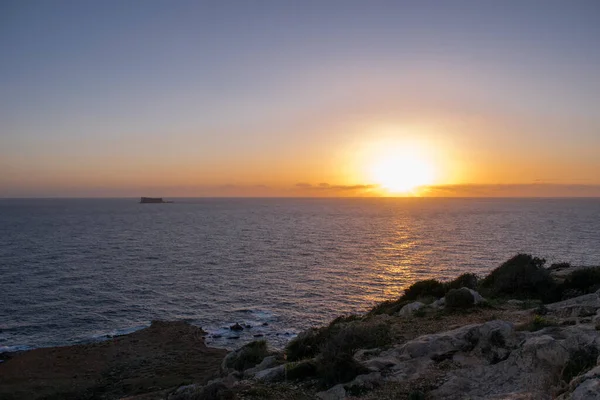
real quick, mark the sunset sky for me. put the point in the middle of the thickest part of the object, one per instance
(299, 98)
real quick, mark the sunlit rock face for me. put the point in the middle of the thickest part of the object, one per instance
(494, 361)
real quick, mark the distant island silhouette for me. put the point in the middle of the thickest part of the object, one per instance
(153, 200)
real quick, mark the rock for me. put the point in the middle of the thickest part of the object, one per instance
(335, 393)
(364, 382)
(236, 327)
(529, 371)
(409, 309)
(476, 296)
(274, 374)
(516, 303)
(267, 362)
(439, 303)
(365, 354)
(588, 390)
(247, 356)
(381, 363)
(583, 306)
(215, 389)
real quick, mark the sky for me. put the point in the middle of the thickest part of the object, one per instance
(299, 98)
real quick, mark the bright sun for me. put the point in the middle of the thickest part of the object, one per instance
(402, 170)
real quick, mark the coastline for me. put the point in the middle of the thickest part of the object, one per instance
(419, 346)
(151, 359)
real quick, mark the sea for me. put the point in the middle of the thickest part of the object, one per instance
(82, 270)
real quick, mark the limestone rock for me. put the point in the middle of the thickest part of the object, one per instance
(365, 382)
(335, 393)
(409, 309)
(439, 303)
(274, 374)
(267, 362)
(476, 296)
(588, 390)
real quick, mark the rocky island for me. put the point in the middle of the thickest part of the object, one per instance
(153, 200)
(522, 332)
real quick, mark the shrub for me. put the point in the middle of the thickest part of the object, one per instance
(581, 281)
(248, 355)
(336, 366)
(468, 280)
(416, 395)
(426, 288)
(336, 362)
(307, 344)
(300, 370)
(459, 298)
(522, 276)
(388, 307)
(560, 265)
(579, 362)
(360, 335)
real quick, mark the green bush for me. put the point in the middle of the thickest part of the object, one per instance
(334, 346)
(581, 281)
(335, 366)
(468, 280)
(416, 395)
(389, 307)
(523, 276)
(459, 298)
(581, 361)
(560, 265)
(300, 370)
(426, 288)
(248, 355)
(307, 344)
(336, 363)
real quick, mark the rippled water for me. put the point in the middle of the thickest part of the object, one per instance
(77, 269)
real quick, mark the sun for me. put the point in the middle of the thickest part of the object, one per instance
(402, 170)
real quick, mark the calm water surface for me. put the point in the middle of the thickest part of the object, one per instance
(75, 270)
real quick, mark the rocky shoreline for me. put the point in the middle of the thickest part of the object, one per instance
(522, 332)
(164, 355)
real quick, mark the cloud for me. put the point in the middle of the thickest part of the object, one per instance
(512, 190)
(326, 189)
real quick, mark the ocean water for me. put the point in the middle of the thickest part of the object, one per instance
(75, 270)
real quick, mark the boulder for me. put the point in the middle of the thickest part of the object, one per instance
(409, 309)
(477, 298)
(335, 393)
(274, 374)
(530, 370)
(267, 362)
(588, 390)
(236, 327)
(439, 303)
(364, 382)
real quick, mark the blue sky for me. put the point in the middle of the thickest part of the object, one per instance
(221, 88)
